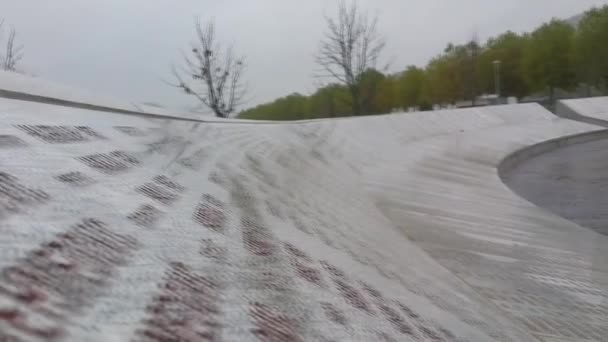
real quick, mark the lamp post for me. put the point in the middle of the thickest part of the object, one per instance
(497, 77)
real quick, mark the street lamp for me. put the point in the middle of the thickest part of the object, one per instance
(497, 77)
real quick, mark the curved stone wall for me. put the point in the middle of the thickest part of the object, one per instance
(593, 110)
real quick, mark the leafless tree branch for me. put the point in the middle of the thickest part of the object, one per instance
(13, 53)
(351, 46)
(212, 74)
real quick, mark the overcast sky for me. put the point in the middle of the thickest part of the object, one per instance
(126, 47)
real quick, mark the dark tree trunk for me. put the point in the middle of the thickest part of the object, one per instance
(356, 101)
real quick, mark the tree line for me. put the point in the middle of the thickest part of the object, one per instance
(556, 55)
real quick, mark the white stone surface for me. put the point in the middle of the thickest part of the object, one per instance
(593, 108)
(402, 230)
(36, 89)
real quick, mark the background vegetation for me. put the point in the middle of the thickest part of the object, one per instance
(557, 55)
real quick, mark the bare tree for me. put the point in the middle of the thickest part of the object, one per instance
(351, 46)
(12, 53)
(212, 74)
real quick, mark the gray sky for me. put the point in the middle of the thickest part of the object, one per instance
(125, 47)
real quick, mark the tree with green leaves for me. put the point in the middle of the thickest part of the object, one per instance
(508, 48)
(290, 107)
(329, 102)
(591, 48)
(410, 87)
(469, 60)
(374, 92)
(548, 58)
(385, 96)
(445, 77)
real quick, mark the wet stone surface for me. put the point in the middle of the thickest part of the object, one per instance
(571, 182)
